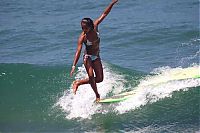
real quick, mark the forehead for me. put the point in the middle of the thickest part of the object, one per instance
(84, 25)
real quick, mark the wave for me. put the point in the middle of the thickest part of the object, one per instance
(43, 91)
(154, 88)
(82, 106)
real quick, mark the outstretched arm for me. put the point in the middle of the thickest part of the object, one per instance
(105, 13)
(78, 52)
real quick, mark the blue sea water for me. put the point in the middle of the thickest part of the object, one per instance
(38, 40)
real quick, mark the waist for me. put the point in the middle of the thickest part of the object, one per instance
(91, 52)
(93, 57)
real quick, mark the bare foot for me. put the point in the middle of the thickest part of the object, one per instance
(97, 100)
(75, 87)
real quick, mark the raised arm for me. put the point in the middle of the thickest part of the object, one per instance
(78, 52)
(105, 13)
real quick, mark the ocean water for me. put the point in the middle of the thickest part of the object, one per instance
(139, 40)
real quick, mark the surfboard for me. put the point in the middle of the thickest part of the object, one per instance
(173, 75)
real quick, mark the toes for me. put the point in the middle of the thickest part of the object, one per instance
(97, 100)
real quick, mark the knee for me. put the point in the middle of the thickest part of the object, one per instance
(91, 79)
(99, 79)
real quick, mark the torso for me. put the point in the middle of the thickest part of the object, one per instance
(92, 41)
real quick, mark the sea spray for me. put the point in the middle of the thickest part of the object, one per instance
(151, 88)
(82, 104)
(155, 87)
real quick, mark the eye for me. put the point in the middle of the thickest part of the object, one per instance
(85, 28)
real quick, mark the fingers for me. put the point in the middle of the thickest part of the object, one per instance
(71, 74)
(72, 71)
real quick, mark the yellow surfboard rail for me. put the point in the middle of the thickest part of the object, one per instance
(174, 74)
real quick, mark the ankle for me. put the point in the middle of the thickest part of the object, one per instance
(97, 96)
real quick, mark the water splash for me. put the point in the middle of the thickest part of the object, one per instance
(82, 104)
(193, 44)
(152, 88)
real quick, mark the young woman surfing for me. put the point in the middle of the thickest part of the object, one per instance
(91, 59)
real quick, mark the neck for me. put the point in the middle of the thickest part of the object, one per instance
(89, 32)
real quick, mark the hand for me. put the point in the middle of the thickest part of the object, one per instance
(72, 71)
(114, 1)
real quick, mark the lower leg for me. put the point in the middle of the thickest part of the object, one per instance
(94, 87)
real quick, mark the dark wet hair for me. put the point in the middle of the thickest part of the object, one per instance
(88, 22)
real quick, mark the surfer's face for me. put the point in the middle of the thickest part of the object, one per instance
(85, 28)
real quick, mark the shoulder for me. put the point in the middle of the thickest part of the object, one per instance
(96, 27)
(81, 37)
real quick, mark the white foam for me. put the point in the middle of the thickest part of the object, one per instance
(150, 89)
(82, 104)
(149, 93)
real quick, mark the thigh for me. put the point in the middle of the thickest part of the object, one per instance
(98, 69)
(89, 67)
